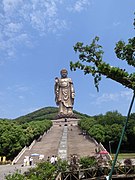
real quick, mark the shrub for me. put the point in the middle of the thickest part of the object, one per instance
(88, 162)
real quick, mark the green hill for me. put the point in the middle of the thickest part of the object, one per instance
(45, 113)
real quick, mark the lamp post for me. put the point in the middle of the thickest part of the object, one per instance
(110, 150)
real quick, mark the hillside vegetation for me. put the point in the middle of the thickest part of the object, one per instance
(14, 136)
(20, 132)
(107, 129)
(49, 113)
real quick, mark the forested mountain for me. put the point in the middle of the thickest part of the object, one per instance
(20, 132)
(49, 113)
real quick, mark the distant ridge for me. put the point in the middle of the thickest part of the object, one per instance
(45, 113)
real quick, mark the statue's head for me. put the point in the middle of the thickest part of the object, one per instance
(64, 73)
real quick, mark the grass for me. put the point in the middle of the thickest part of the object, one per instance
(125, 156)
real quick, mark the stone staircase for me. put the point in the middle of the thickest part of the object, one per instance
(48, 145)
(56, 141)
(78, 143)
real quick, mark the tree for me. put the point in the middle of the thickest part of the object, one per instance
(85, 124)
(14, 136)
(87, 162)
(15, 176)
(98, 132)
(43, 170)
(91, 62)
(110, 118)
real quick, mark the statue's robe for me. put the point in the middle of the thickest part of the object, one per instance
(64, 91)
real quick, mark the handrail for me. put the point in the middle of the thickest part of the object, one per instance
(59, 177)
(19, 155)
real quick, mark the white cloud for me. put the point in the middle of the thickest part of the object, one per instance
(21, 97)
(10, 5)
(116, 24)
(14, 27)
(18, 88)
(126, 94)
(107, 97)
(79, 5)
(20, 19)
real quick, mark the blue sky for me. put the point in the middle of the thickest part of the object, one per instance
(37, 38)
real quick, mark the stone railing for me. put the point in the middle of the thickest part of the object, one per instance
(32, 144)
(19, 155)
(99, 145)
(59, 177)
(27, 148)
(102, 148)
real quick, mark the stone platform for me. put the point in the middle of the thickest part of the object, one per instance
(65, 122)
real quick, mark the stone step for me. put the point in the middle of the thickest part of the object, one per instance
(48, 145)
(79, 144)
(61, 141)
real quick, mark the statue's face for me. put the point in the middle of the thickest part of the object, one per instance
(63, 74)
